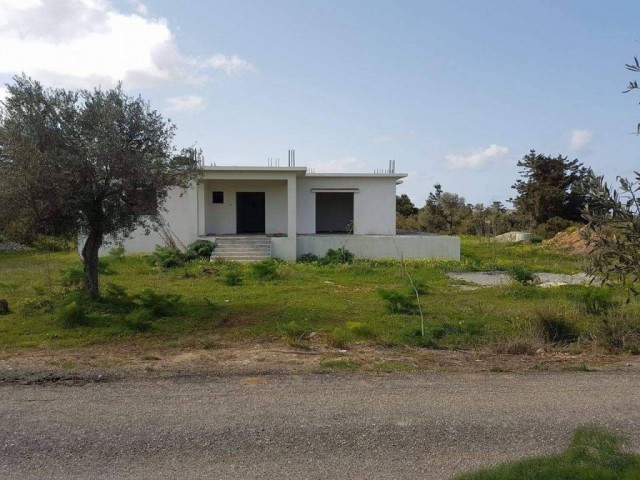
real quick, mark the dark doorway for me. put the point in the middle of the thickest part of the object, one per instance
(334, 212)
(250, 212)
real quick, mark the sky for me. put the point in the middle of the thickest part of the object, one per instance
(456, 92)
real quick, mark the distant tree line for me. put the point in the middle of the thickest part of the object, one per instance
(551, 196)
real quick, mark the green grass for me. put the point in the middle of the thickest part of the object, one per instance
(591, 455)
(341, 304)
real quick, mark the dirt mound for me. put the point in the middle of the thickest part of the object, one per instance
(570, 241)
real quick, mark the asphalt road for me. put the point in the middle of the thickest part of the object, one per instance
(315, 426)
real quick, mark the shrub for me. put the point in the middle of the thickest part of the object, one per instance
(337, 256)
(115, 299)
(522, 275)
(399, 302)
(266, 269)
(597, 300)
(621, 331)
(167, 257)
(360, 330)
(200, 249)
(72, 311)
(340, 338)
(308, 258)
(139, 320)
(117, 253)
(158, 304)
(233, 278)
(294, 330)
(38, 305)
(72, 276)
(556, 328)
(52, 244)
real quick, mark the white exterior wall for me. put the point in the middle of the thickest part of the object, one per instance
(374, 205)
(380, 246)
(220, 219)
(181, 218)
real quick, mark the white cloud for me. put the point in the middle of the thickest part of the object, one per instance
(578, 139)
(346, 164)
(90, 42)
(477, 158)
(186, 103)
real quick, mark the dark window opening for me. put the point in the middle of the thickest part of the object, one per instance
(218, 197)
(334, 212)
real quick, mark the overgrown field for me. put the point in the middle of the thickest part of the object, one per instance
(307, 303)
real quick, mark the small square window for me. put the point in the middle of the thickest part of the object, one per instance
(218, 197)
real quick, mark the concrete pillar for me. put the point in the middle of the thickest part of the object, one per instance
(292, 225)
(201, 197)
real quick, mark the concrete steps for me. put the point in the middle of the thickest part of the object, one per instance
(242, 249)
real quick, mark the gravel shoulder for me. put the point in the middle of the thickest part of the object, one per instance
(418, 425)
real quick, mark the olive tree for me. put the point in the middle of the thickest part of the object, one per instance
(93, 164)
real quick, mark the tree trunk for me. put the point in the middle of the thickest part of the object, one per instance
(90, 258)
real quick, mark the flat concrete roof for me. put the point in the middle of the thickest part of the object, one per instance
(301, 171)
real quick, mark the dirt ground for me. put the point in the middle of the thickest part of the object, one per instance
(128, 360)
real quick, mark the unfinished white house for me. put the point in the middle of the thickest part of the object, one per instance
(284, 212)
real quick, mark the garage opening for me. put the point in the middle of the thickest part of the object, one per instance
(334, 212)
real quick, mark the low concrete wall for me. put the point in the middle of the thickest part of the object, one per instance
(379, 246)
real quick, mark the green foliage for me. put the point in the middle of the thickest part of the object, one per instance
(399, 302)
(340, 364)
(120, 144)
(201, 249)
(443, 212)
(294, 330)
(72, 277)
(308, 258)
(597, 300)
(550, 187)
(266, 269)
(52, 244)
(522, 275)
(556, 328)
(158, 304)
(167, 257)
(593, 454)
(71, 311)
(337, 256)
(117, 254)
(404, 206)
(233, 278)
(613, 231)
(552, 226)
(38, 305)
(340, 337)
(140, 320)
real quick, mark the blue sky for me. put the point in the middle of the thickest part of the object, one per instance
(456, 92)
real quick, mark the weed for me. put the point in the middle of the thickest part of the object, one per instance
(139, 320)
(361, 330)
(399, 302)
(294, 329)
(539, 367)
(117, 254)
(158, 304)
(167, 257)
(337, 256)
(308, 258)
(581, 367)
(71, 312)
(496, 369)
(522, 275)
(340, 337)
(201, 249)
(36, 306)
(266, 269)
(597, 300)
(52, 244)
(233, 278)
